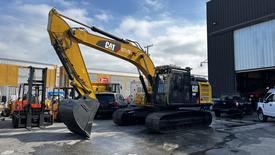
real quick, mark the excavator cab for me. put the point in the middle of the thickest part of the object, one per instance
(173, 86)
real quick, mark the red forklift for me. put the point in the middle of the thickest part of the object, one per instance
(29, 110)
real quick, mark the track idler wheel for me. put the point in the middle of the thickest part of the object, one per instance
(78, 115)
(131, 115)
(122, 117)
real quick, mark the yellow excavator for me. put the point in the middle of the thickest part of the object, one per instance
(168, 103)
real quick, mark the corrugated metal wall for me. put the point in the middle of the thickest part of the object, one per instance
(63, 78)
(136, 87)
(254, 46)
(51, 78)
(230, 13)
(223, 17)
(13, 72)
(24, 75)
(221, 64)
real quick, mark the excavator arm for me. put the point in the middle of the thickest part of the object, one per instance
(79, 114)
(68, 51)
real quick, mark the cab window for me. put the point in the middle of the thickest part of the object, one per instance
(271, 98)
(121, 99)
(266, 95)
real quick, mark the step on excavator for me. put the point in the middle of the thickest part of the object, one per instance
(168, 103)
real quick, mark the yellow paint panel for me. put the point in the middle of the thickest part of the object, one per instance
(12, 78)
(3, 74)
(205, 92)
(99, 87)
(63, 78)
(51, 77)
(8, 75)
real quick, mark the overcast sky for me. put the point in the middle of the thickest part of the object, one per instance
(177, 28)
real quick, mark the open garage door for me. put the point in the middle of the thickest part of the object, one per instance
(255, 82)
(254, 53)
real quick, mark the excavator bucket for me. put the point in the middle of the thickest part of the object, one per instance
(78, 115)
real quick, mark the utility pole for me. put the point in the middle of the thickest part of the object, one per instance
(204, 62)
(147, 48)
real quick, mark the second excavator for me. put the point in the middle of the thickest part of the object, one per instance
(168, 103)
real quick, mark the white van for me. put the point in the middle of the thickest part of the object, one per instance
(266, 106)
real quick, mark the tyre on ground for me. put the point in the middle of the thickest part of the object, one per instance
(261, 116)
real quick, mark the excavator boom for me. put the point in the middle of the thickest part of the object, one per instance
(68, 51)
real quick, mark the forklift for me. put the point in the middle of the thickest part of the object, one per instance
(30, 107)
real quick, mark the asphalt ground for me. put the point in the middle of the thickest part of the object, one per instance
(226, 135)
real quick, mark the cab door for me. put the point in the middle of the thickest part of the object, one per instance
(272, 106)
(269, 105)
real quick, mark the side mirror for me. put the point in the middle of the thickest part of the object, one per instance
(266, 101)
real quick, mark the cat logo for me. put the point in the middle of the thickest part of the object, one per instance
(109, 45)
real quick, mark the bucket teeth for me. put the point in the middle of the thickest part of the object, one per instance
(78, 115)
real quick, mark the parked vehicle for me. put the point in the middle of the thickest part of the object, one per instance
(266, 106)
(232, 105)
(109, 102)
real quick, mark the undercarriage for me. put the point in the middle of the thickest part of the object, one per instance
(162, 120)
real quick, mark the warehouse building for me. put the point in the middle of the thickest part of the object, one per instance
(13, 72)
(129, 82)
(241, 46)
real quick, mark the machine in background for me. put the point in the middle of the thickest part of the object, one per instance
(110, 99)
(29, 110)
(106, 87)
(5, 110)
(234, 105)
(58, 95)
(109, 103)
